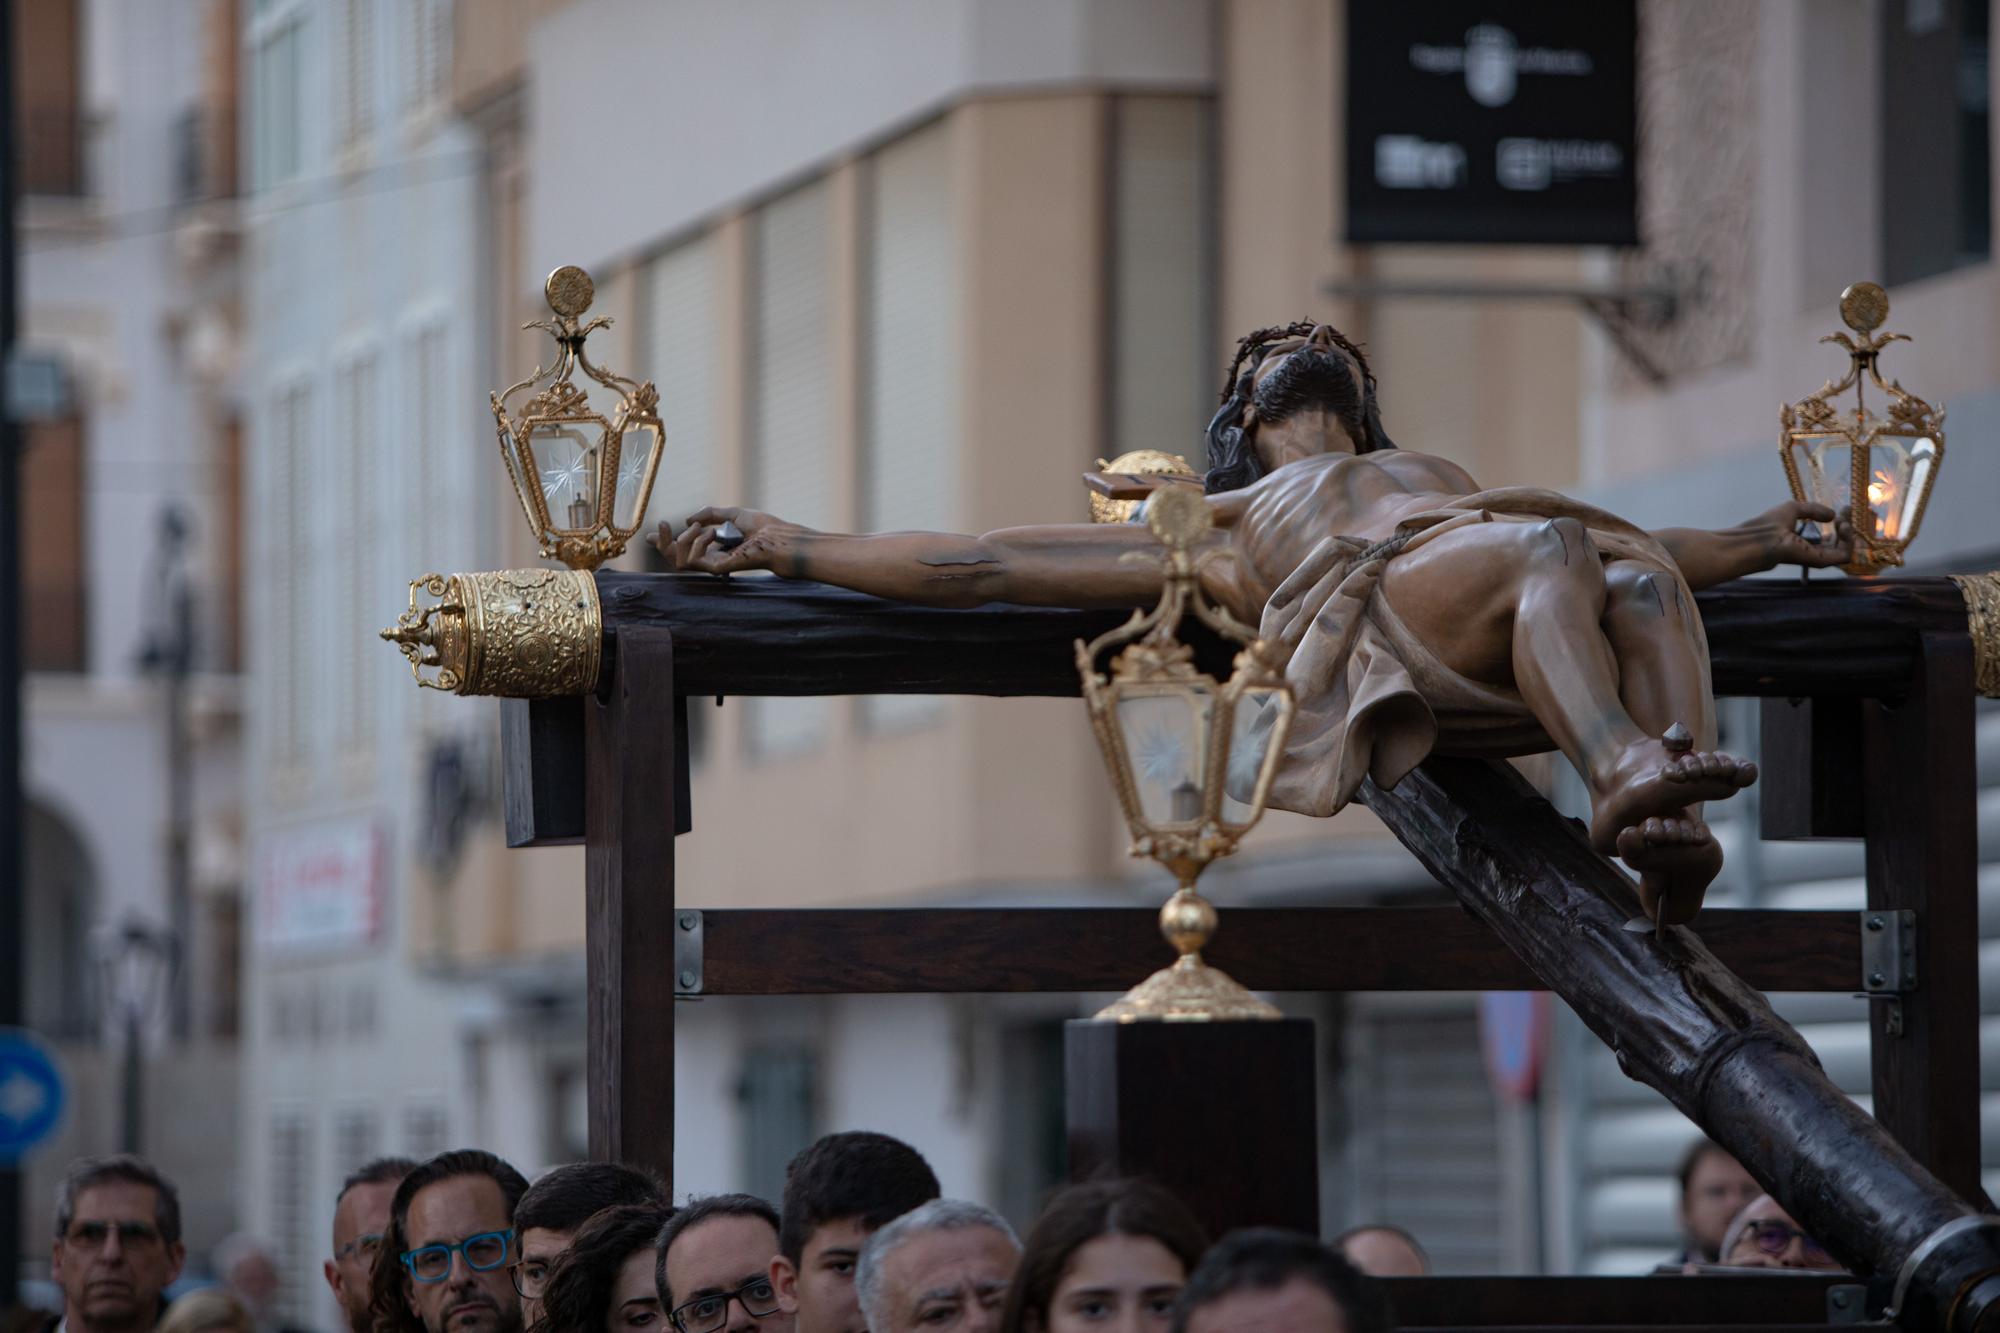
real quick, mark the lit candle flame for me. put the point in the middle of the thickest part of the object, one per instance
(1882, 493)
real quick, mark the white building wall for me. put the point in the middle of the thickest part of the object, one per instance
(628, 92)
(372, 249)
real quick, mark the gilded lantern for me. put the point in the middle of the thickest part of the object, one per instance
(1873, 467)
(583, 476)
(1190, 757)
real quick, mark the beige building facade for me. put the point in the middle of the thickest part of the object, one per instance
(900, 264)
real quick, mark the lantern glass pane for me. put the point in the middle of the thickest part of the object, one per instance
(1898, 469)
(1254, 745)
(1166, 741)
(566, 459)
(1826, 467)
(635, 452)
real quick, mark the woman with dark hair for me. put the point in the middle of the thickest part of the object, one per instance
(604, 1281)
(1109, 1254)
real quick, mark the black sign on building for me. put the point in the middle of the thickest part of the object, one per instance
(1493, 121)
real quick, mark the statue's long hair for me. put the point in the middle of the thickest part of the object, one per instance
(1232, 457)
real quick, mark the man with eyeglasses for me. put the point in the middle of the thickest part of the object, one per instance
(360, 1216)
(1765, 1236)
(445, 1253)
(555, 1208)
(117, 1245)
(712, 1264)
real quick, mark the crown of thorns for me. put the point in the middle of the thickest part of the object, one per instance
(1250, 348)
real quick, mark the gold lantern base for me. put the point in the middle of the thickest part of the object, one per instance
(1190, 991)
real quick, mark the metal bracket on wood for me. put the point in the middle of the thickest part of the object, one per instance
(1889, 962)
(687, 954)
(1888, 952)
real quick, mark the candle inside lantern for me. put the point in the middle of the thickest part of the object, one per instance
(1186, 802)
(1884, 497)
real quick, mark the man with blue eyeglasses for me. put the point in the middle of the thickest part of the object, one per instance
(447, 1247)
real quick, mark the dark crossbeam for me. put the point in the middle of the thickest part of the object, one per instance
(1682, 1023)
(762, 636)
(879, 951)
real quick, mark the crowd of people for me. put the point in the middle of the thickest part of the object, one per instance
(862, 1242)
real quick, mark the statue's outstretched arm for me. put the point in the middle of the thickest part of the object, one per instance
(1765, 542)
(1066, 564)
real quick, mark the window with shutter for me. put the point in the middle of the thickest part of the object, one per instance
(356, 441)
(425, 1130)
(291, 547)
(427, 44)
(52, 547)
(356, 117)
(1424, 1151)
(677, 331)
(910, 364)
(356, 1132)
(791, 413)
(1161, 275)
(278, 144)
(291, 1189)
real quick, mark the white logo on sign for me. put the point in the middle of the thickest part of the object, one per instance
(1408, 162)
(1535, 164)
(1489, 64)
(1493, 61)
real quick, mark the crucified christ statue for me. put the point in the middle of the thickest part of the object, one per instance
(1411, 610)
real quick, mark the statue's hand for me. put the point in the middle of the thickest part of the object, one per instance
(701, 548)
(1778, 528)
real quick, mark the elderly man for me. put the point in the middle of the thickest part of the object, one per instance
(712, 1267)
(1263, 1280)
(360, 1216)
(1412, 611)
(447, 1248)
(117, 1245)
(944, 1266)
(1765, 1236)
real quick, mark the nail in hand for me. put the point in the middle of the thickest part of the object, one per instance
(728, 536)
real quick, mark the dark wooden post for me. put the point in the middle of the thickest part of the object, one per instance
(1224, 1114)
(630, 777)
(1918, 771)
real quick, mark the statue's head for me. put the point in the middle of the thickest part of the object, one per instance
(1293, 390)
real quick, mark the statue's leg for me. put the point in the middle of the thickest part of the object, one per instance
(1525, 605)
(1662, 680)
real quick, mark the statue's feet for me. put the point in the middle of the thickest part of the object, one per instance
(1661, 778)
(1676, 858)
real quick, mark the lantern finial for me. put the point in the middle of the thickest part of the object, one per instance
(1874, 470)
(1863, 307)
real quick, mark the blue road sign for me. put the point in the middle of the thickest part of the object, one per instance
(31, 1093)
